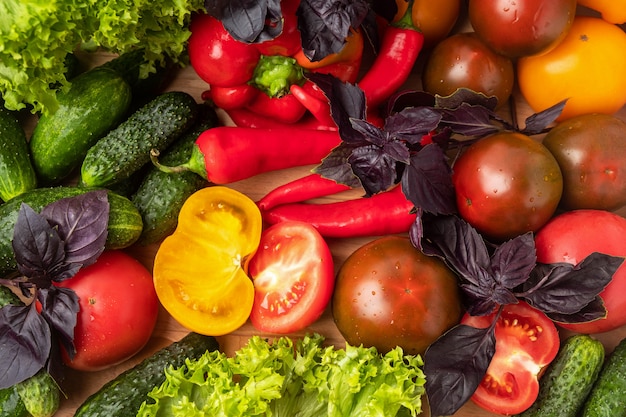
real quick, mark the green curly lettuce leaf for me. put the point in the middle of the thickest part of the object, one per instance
(36, 36)
(283, 379)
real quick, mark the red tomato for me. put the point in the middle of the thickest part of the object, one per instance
(570, 237)
(526, 341)
(388, 294)
(517, 28)
(118, 311)
(507, 184)
(293, 274)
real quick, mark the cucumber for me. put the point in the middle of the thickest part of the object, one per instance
(125, 222)
(122, 396)
(17, 174)
(161, 195)
(96, 102)
(125, 149)
(569, 378)
(608, 396)
(38, 396)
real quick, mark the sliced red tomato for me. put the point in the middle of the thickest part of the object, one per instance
(293, 275)
(526, 342)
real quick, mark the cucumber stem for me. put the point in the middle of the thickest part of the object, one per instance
(154, 158)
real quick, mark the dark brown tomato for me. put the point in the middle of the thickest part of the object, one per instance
(464, 61)
(591, 151)
(517, 28)
(507, 184)
(388, 294)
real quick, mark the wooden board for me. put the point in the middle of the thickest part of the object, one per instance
(80, 385)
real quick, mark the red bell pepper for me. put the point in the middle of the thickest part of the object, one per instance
(258, 76)
(226, 154)
(385, 213)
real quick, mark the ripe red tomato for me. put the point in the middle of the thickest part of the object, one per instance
(507, 184)
(526, 341)
(293, 274)
(516, 28)
(464, 61)
(591, 152)
(390, 294)
(570, 237)
(118, 311)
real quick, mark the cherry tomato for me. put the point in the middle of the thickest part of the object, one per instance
(118, 311)
(390, 294)
(587, 68)
(591, 152)
(613, 11)
(434, 18)
(570, 237)
(516, 28)
(526, 342)
(293, 275)
(507, 184)
(464, 61)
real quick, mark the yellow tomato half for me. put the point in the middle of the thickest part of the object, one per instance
(588, 68)
(200, 271)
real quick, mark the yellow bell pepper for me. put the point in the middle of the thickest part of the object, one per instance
(200, 270)
(613, 11)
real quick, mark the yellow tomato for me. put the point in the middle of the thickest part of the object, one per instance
(588, 68)
(613, 11)
(434, 18)
(200, 271)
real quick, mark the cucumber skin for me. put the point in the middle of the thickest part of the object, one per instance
(96, 102)
(161, 195)
(608, 396)
(123, 396)
(569, 378)
(125, 149)
(17, 173)
(124, 229)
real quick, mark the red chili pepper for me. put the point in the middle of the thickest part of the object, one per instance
(258, 76)
(226, 154)
(385, 213)
(299, 190)
(247, 118)
(400, 47)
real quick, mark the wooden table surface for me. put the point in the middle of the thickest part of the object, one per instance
(81, 384)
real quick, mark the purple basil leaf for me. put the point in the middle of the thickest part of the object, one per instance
(416, 231)
(513, 261)
(59, 306)
(593, 311)
(565, 289)
(469, 120)
(324, 25)
(248, 21)
(538, 122)
(409, 98)
(412, 124)
(392, 147)
(82, 222)
(24, 343)
(454, 366)
(465, 96)
(374, 167)
(38, 249)
(427, 181)
(335, 166)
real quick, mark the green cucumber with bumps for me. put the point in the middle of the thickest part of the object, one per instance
(17, 173)
(96, 102)
(125, 149)
(123, 396)
(608, 396)
(124, 227)
(37, 396)
(569, 378)
(160, 195)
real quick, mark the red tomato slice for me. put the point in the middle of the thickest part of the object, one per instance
(526, 342)
(293, 276)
